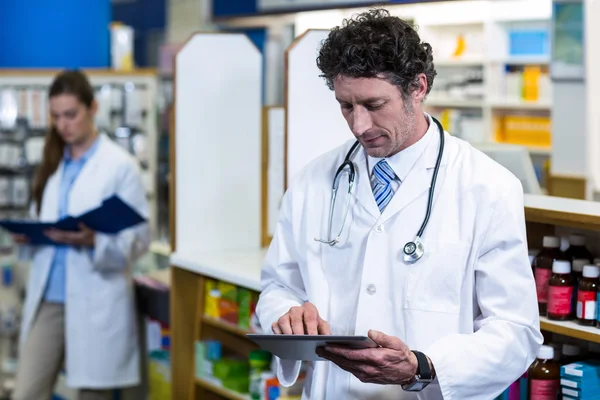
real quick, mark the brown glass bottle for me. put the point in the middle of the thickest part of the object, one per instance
(544, 376)
(542, 269)
(587, 296)
(577, 249)
(560, 291)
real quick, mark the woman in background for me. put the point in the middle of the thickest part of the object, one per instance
(79, 308)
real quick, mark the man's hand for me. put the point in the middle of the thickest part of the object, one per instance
(391, 363)
(85, 237)
(302, 320)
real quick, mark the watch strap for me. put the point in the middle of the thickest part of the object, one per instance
(423, 369)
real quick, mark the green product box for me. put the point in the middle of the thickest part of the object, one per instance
(244, 302)
(228, 368)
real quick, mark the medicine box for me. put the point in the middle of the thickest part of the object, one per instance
(593, 397)
(581, 394)
(583, 371)
(581, 385)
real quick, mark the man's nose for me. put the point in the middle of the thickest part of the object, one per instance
(361, 121)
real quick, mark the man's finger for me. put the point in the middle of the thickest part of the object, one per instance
(297, 320)
(323, 327)
(387, 341)
(311, 320)
(275, 328)
(284, 325)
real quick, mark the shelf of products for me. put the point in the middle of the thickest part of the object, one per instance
(571, 329)
(221, 391)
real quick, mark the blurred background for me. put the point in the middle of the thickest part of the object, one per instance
(510, 72)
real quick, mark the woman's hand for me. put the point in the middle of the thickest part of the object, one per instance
(19, 238)
(85, 237)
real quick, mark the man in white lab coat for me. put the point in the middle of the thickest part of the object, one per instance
(462, 321)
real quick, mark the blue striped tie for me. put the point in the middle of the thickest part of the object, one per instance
(382, 191)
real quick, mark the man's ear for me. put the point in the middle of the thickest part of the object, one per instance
(420, 92)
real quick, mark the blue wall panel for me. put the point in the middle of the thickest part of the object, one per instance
(55, 34)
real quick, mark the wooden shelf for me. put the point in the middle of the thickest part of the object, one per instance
(221, 391)
(560, 211)
(571, 329)
(224, 325)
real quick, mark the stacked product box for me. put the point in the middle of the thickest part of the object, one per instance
(580, 380)
(230, 303)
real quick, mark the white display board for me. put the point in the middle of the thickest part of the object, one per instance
(272, 5)
(217, 144)
(314, 121)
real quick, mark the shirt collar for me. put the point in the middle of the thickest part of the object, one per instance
(86, 156)
(403, 161)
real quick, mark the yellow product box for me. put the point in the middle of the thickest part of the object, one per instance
(526, 130)
(228, 302)
(211, 298)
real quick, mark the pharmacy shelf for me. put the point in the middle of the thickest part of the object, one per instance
(240, 268)
(539, 150)
(519, 105)
(571, 329)
(459, 62)
(225, 326)
(221, 391)
(564, 212)
(448, 102)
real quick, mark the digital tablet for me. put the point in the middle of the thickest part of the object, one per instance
(304, 347)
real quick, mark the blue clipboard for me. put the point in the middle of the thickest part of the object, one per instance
(113, 216)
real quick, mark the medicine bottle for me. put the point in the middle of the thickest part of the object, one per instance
(577, 273)
(587, 295)
(570, 354)
(544, 376)
(577, 249)
(560, 291)
(542, 269)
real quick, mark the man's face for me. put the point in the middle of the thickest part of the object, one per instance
(376, 113)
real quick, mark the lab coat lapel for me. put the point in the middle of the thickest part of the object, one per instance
(418, 180)
(80, 198)
(49, 210)
(364, 191)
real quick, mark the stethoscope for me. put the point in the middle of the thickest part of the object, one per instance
(412, 251)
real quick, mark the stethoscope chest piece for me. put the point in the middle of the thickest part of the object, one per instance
(413, 251)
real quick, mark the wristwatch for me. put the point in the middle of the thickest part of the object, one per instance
(423, 377)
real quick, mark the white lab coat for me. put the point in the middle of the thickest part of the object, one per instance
(470, 302)
(101, 329)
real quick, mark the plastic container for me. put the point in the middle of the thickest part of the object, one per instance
(542, 267)
(544, 376)
(587, 296)
(560, 291)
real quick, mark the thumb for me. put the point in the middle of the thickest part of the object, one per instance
(386, 341)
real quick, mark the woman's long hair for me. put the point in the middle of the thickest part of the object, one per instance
(68, 82)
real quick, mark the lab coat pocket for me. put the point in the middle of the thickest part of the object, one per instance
(435, 282)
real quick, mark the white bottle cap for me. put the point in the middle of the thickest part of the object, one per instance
(579, 263)
(551, 242)
(532, 253)
(591, 271)
(570, 350)
(576, 239)
(561, 267)
(546, 353)
(597, 261)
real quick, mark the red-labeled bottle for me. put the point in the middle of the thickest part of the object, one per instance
(542, 269)
(544, 376)
(587, 295)
(560, 291)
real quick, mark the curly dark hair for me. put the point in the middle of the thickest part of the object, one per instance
(374, 43)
